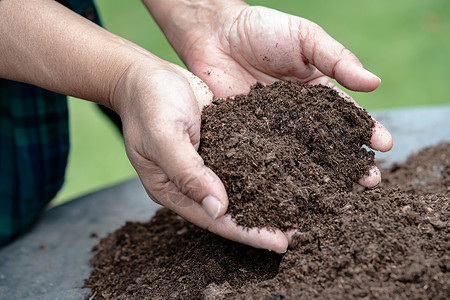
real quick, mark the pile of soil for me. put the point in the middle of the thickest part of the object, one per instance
(288, 145)
(388, 243)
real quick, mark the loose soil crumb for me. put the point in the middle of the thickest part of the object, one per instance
(388, 243)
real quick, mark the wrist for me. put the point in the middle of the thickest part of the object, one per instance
(185, 22)
(135, 80)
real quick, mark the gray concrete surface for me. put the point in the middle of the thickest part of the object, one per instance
(413, 129)
(51, 260)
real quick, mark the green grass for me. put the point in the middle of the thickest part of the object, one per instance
(405, 42)
(97, 156)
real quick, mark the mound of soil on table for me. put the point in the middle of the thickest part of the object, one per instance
(388, 243)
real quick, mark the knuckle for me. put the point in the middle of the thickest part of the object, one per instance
(189, 184)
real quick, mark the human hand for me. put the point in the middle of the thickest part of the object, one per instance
(160, 110)
(241, 45)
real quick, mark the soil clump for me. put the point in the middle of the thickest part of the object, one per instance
(269, 147)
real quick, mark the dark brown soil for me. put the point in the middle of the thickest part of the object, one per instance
(388, 243)
(427, 172)
(288, 146)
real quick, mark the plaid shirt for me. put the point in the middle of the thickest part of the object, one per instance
(34, 146)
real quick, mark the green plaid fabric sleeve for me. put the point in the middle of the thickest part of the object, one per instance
(34, 146)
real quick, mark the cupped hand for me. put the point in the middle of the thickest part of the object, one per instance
(243, 44)
(160, 110)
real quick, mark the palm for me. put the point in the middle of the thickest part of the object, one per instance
(260, 45)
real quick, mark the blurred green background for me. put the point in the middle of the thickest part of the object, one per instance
(405, 42)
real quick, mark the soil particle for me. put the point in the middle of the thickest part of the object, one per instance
(387, 243)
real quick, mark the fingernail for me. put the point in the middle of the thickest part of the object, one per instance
(212, 206)
(372, 75)
(374, 187)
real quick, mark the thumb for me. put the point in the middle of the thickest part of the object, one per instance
(333, 59)
(186, 170)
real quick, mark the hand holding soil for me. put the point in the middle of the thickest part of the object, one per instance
(231, 49)
(289, 115)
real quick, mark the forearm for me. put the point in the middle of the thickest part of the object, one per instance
(184, 21)
(45, 44)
